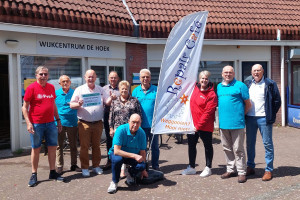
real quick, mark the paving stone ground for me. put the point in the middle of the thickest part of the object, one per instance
(15, 173)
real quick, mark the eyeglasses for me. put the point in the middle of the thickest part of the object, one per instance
(43, 74)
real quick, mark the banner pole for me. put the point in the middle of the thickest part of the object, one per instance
(148, 153)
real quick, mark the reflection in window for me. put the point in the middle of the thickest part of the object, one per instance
(154, 75)
(296, 85)
(101, 75)
(57, 66)
(102, 78)
(215, 68)
(247, 66)
(119, 71)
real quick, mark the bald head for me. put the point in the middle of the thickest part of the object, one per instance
(89, 71)
(228, 74)
(134, 123)
(90, 78)
(257, 72)
(228, 68)
(135, 116)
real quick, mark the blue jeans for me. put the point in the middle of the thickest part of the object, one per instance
(116, 164)
(47, 130)
(252, 124)
(154, 147)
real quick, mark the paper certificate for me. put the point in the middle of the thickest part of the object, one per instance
(91, 99)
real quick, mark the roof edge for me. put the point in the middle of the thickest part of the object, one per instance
(117, 38)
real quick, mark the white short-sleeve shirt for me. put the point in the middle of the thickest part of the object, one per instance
(93, 102)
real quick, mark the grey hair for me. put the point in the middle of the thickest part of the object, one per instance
(145, 71)
(40, 68)
(63, 76)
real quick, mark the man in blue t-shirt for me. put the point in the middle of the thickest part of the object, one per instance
(146, 94)
(69, 121)
(234, 103)
(129, 147)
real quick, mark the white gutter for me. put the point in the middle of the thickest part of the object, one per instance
(128, 10)
(118, 38)
(136, 29)
(282, 87)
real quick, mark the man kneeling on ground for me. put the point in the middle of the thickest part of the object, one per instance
(129, 147)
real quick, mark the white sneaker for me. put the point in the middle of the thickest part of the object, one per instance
(189, 171)
(112, 187)
(206, 172)
(85, 172)
(98, 170)
(129, 180)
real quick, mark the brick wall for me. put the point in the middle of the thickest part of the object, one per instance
(276, 73)
(136, 59)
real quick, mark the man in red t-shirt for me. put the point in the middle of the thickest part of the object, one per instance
(39, 110)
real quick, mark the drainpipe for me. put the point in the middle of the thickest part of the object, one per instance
(136, 32)
(282, 87)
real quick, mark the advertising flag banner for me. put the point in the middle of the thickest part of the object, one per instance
(178, 75)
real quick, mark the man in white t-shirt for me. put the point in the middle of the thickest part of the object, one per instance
(89, 100)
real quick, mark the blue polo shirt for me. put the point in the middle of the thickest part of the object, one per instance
(67, 115)
(231, 104)
(128, 142)
(147, 102)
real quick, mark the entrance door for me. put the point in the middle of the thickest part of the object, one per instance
(4, 104)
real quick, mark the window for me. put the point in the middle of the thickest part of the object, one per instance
(295, 92)
(215, 68)
(247, 66)
(119, 70)
(57, 66)
(102, 76)
(154, 75)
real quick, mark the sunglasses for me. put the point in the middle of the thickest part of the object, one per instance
(43, 74)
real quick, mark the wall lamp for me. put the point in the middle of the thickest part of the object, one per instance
(11, 42)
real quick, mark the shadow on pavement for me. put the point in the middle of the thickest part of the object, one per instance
(170, 168)
(220, 170)
(164, 182)
(283, 171)
(216, 141)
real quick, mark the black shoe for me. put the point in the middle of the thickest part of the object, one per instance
(55, 176)
(156, 168)
(250, 171)
(75, 168)
(107, 166)
(33, 180)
